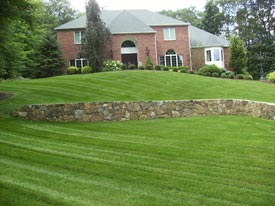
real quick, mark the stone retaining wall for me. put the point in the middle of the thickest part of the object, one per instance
(119, 111)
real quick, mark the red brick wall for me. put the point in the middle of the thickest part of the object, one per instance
(67, 46)
(180, 45)
(141, 40)
(227, 58)
(198, 59)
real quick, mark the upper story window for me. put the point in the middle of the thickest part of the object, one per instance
(78, 35)
(169, 34)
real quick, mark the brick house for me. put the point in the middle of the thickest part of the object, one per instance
(137, 34)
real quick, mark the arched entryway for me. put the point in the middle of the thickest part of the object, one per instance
(129, 53)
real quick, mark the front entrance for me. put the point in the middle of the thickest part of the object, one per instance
(128, 59)
(129, 53)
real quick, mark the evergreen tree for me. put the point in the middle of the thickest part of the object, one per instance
(238, 59)
(212, 20)
(97, 36)
(50, 58)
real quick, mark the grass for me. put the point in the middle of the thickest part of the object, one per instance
(218, 160)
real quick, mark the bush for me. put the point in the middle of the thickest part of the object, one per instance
(223, 75)
(165, 69)
(231, 75)
(183, 69)
(191, 72)
(111, 65)
(175, 69)
(123, 67)
(72, 70)
(215, 74)
(141, 67)
(131, 66)
(206, 69)
(240, 76)
(86, 70)
(271, 77)
(248, 77)
(158, 67)
(149, 67)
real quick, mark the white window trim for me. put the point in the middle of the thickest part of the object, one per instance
(220, 63)
(81, 60)
(169, 37)
(81, 33)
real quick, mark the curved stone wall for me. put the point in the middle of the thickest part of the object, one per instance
(119, 111)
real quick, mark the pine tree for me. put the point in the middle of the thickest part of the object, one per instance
(50, 58)
(97, 36)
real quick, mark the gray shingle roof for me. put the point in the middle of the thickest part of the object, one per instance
(127, 21)
(201, 38)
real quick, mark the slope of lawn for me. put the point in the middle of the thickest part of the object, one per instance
(131, 85)
(215, 161)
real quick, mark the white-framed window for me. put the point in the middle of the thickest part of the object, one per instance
(169, 34)
(78, 36)
(79, 63)
(171, 59)
(215, 56)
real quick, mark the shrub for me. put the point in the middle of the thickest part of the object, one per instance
(248, 77)
(223, 75)
(183, 69)
(271, 77)
(123, 67)
(149, 67)
(111, 65)
(240, 76)
(86, 70)
(158, 67)
(175, 69)
(206, 69)
(141, 67)
(191, 72)
(131, 66)
(215, 74)
(231, 75)
(165, 69)
(72, 70)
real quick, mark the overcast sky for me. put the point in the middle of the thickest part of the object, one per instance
(153, 5)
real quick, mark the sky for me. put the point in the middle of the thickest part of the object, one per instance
(153, 5)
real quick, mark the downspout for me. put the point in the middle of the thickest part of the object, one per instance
(156, 49)
(190, 50)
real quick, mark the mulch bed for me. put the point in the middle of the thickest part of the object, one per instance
(4, 95)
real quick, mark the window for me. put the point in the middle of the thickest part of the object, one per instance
(216, 54)
(169, 34)
(171, 59)
(79, 63)
(208, 56)
(78, 35)
(128, 43)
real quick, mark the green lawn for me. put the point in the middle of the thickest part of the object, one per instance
(218, 160)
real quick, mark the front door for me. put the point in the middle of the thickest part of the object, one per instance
(128, 59)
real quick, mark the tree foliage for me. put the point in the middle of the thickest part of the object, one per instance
(189, 15)
(97, 36)
(212, 20)
(50, 58)
(24, 29)
(238, 58)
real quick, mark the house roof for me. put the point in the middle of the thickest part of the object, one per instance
(200, 38)
(127, 21)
